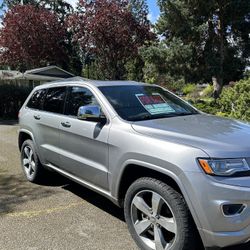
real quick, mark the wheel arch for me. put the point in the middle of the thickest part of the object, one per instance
(23, 136)
(134, 171)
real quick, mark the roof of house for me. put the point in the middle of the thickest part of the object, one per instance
(52, 71)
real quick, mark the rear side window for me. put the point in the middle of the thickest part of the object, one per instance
(77, 97)
(54, 100)
(37, 99)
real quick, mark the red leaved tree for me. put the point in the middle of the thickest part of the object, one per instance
(31, 37)
(108, 30)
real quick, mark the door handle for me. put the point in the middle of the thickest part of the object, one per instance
(37, 117)
(66, 124)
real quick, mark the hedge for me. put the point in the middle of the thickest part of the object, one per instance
(235, 101)
(11, 99)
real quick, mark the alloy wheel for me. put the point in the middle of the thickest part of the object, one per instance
(153, 220)
(29, 164)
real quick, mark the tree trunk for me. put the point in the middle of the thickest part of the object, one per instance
(218, 85)
(218, 80)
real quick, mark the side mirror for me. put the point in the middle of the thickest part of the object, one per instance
(91, 113)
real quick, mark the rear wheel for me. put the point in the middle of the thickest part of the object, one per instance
(31, 165)
(158, 217)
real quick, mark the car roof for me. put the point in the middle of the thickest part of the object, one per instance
(84, 81)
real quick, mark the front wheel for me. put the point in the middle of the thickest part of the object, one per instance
(158, 217)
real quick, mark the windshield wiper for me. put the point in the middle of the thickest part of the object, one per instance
(144, 117)
(184, 114)
(140, 117)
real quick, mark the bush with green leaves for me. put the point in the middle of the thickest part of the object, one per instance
(189, 88)
(209, 106)
(11, 99)
(208, 91)
(235, 101)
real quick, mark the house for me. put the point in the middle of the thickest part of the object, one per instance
(33, 77)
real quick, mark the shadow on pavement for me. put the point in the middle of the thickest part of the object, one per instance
(8, 122)
(16, 190)
(107, 206)
(239, 247)
(54, 179)
(95, 199)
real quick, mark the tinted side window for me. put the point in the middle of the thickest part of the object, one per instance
(54, 100)
(37, 99)
(77, 97)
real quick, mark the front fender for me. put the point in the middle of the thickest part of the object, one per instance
(175, 176)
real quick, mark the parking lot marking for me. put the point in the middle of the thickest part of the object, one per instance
(35, 213)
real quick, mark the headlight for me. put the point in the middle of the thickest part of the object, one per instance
(224, 167)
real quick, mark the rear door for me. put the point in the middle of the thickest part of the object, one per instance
(32, 117)
(84, 144)
(48, 121)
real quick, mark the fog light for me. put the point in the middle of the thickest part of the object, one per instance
(233, 209)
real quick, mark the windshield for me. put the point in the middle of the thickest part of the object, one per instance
(143, 102)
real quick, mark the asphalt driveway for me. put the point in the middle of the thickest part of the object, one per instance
(58, 215)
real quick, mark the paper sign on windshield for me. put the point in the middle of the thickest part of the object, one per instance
(154, 104)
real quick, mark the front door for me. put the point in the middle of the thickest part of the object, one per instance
(84, 144)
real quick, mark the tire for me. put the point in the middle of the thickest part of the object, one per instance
(32, 168)
(167, 224)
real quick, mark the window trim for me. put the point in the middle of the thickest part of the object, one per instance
(104, 110)
(92, 90)
(32, 94)
(68, 93)
(51, 112)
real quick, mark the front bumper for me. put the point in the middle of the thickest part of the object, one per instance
(207, 195)
(224, 239)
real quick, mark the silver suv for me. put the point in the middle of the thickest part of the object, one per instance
(182, 176)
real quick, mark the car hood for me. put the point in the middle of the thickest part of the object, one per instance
(218, 137)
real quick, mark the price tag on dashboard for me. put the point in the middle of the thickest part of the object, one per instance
(155, 104)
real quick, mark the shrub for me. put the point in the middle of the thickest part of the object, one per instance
(235, 101)
(189, 88)
(207, 105)
(174, 85)
(11, 99)
(208, 91)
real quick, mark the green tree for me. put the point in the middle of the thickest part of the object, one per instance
(215, 34)
(235, 100)
(10, 3)
(162, 62)
(134, 69)
(61, 7)
(139, 9)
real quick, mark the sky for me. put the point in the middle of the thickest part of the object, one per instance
(153, 9)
